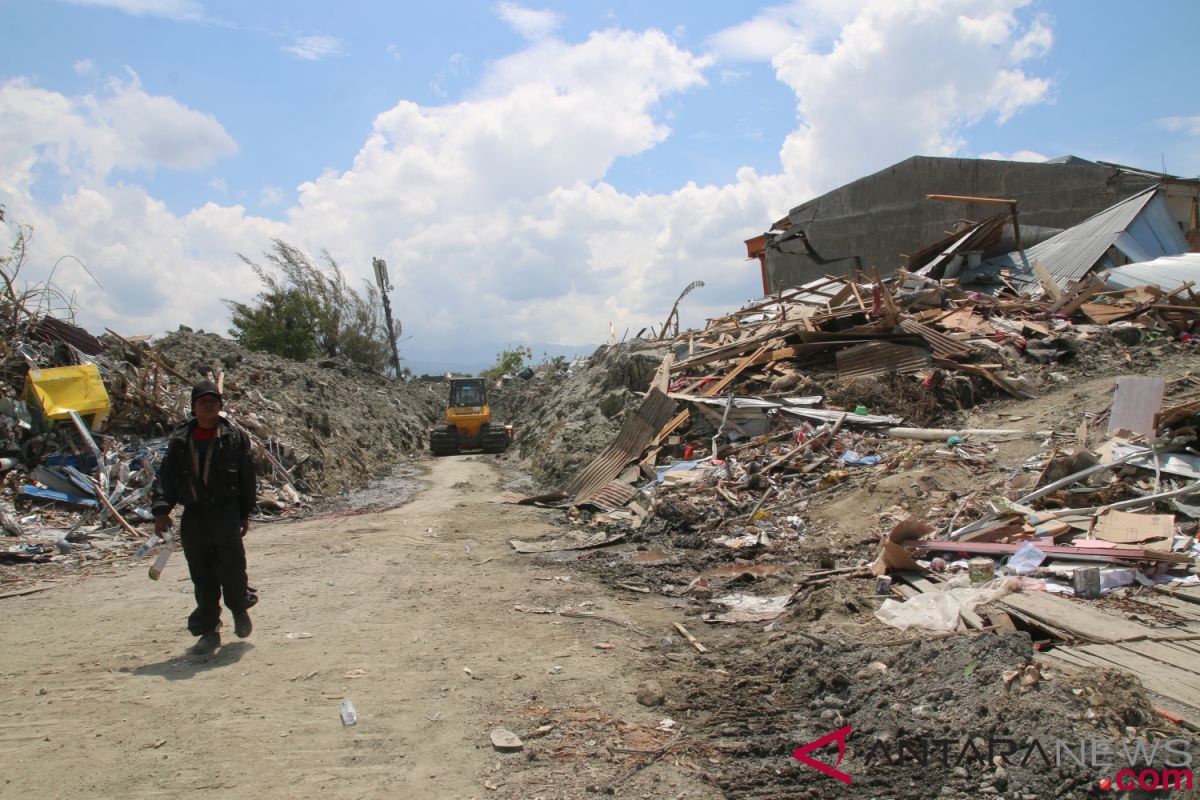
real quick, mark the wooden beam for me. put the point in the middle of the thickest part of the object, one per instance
(959, 198)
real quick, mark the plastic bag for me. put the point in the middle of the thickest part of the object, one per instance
(1026, 559)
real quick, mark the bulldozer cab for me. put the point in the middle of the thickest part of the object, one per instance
(467, 392)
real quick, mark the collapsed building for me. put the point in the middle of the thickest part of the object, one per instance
(908, 214)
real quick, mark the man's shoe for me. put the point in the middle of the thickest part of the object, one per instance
(208, 644)
(242, 625)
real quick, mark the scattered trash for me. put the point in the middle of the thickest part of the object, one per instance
(1027, 558)
(349, 713)
(506, 741)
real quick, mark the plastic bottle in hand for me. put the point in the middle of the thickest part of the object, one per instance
(160, 563)
(349, 714)
(145, 547)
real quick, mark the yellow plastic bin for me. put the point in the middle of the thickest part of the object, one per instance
(60, 390)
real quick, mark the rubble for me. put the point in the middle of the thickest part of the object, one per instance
(744, 506)
(84, 421)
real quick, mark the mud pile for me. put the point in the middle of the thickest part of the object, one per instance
(959, 717)
(564, 417)
(345, 425)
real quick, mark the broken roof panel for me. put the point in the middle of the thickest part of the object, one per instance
(1167, 273)
(1140, 226)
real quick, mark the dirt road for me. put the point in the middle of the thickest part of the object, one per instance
(408, 613)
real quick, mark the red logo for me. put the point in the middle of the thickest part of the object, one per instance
(800, 753)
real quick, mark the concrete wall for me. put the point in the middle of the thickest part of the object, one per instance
(872, 221)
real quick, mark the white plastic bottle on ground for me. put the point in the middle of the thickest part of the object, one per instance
(349, 715)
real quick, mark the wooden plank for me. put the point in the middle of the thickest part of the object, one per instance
(1188, 652)
(1185, 593)
(1103, 313)
(1040, 625)
(692, 640)
(1191, 648)
(1154, 681)
(29, 590)
(1077, 297)
(1185, 683)
(1163, 654)
(732, 351)
(1181, 607)
(1053, 291)
(961, 198)
(1059, 657)
(1081, 620)
(1000, 621)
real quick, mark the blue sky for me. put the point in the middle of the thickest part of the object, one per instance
(532, 173)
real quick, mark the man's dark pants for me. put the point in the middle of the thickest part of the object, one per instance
(216, 557)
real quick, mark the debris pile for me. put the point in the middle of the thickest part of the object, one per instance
(568, 413)
(973, 716)
(746, 476)
(84, 423)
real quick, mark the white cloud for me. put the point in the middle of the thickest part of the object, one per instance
(807, 23)
(84, 66)
(182, 10)
(1020, 155)
(505, 188)
(727, 76)
(758, 39)
(219, 185)
(314, 48)
(1036, 42)
(531, 24)
(90, 136)
(1186, 125)
(902, 77)
(270, 196)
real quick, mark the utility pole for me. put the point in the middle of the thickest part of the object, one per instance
(381, 278)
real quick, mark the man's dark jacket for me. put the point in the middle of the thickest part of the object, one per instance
(230, 476)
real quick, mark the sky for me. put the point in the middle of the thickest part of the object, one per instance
(551, 173)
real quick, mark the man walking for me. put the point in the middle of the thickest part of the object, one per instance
(208, 470)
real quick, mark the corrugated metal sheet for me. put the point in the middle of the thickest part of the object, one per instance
(50, 329)
(738, 402)
(610, 497)
(943, 346)
(1167, 273)
(637, 432)
(1142, 224)
(876, 358)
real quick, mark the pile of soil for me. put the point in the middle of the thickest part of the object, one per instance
(922, 717)
(563, 418)
(344, 424)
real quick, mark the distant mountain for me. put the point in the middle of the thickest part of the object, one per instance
(472, 359)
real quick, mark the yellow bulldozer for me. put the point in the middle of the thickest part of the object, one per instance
(468, 422)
